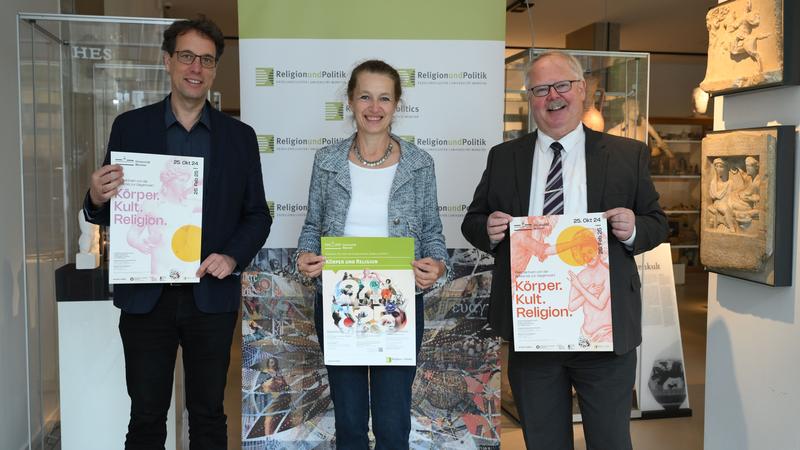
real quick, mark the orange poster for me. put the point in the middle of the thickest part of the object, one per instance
(560, 289)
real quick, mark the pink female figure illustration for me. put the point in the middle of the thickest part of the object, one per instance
(148, 233)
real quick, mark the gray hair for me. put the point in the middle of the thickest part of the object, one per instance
(572, 62)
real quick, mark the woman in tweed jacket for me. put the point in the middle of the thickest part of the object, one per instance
(374, 184)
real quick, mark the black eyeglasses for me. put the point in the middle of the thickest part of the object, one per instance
(187, 57)
(560, 87)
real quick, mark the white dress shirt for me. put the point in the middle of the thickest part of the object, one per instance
(573, 164)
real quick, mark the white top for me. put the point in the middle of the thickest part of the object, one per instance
(368, 214)
(573, 164)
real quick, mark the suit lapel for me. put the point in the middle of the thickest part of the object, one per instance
(215, 159)
(523, 162)
(596, 165)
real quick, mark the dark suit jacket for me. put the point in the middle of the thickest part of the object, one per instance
(236, 221)
(617, 175)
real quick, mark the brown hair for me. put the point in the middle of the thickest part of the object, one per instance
(202, 25)
(374, 66)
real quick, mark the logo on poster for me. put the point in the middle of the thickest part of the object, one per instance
(334, 111)
(408, 77)
(452, 144)
(452, 78)
(408, 138)
(269, 76)
(291, 209)
(270, 143)
(266, 143)
(265, 76)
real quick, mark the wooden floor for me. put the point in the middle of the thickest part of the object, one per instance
(685, 433)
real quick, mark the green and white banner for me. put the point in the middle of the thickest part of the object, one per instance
(296, 57)
(295, 60)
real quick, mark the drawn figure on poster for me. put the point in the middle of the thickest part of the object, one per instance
(744, 41)
(367, 304)
(590, 291)
(149, 232)
(528, 245)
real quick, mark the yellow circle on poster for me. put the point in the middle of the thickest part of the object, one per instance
(186, 243)
(576, 245)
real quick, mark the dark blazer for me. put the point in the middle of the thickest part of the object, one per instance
(617, 175)
(236, 221)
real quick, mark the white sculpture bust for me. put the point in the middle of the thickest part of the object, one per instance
(88, 244)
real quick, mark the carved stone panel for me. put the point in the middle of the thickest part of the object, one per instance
(739, 210)
(745, 45)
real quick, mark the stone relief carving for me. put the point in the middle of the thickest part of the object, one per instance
(734, 195)
(745, 45)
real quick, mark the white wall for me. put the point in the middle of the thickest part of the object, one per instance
(13, 370)
(753, 357)
(672, 79)
(140, 8)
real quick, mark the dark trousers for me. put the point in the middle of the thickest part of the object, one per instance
(383, 390)
(150, 342)
(542, 386)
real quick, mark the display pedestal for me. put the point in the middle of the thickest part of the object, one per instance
(94, 400)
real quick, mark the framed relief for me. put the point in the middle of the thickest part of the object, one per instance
(747, 204)
(752, 44)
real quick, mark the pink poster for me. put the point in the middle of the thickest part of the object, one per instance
(156, 219)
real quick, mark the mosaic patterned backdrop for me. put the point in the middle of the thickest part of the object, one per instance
(285, 395)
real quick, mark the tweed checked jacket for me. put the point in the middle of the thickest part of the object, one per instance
(413, 206)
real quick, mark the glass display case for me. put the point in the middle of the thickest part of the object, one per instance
(617, 93)
(675, 168)
(76, 74)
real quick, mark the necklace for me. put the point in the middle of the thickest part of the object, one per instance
(375, 163)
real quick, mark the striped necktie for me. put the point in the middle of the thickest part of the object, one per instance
(554, 188)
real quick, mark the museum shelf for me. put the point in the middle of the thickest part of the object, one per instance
(676, 175)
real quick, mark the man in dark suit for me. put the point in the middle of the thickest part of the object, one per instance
(598, 173)
(157, 318)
